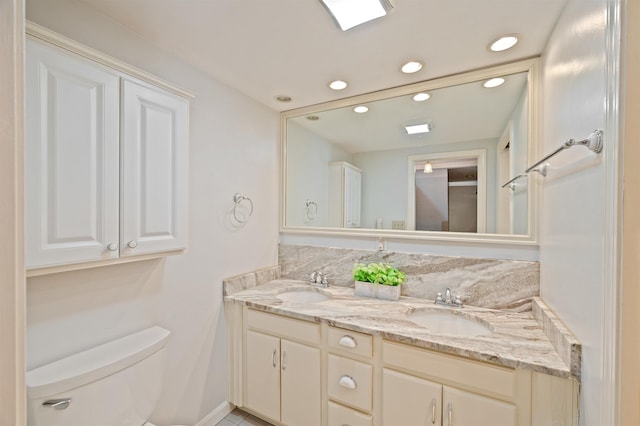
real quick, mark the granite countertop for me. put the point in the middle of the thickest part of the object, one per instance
(516, 340)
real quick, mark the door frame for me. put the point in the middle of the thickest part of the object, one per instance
(12, 272)
(479, 154)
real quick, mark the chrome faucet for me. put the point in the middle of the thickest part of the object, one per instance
(448, 299)
(319, 279)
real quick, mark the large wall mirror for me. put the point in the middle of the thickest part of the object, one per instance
(425, 160)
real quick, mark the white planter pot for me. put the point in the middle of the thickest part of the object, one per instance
(378, 291)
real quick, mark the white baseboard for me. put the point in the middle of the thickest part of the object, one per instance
(216, 415)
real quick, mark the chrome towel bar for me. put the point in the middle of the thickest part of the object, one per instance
(593, 142)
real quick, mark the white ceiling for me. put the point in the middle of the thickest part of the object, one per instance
(266, 48)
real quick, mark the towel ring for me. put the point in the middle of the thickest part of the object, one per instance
(238, 198)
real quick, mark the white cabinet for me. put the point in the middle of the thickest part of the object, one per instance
(71, 158)
(282, 380)
(294, 372)
(412, 400)
(420, 385)
(154, 170)
(105, 162)
(345, 188)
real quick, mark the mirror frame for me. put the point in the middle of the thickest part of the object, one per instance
(528, 65)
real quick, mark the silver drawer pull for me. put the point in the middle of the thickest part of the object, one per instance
(347, 382)
(58, 404)
(348, 342)
(433, 411)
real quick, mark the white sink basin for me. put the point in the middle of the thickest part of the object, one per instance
(448, 323)
(302, 296)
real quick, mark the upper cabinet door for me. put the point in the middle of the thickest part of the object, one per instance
(154, 170)
(71, 158)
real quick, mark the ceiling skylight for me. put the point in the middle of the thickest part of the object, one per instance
(418, 128)
(350, 13)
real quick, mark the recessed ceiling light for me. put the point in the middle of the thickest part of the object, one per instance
(313, 117)
(338, 85)
(411, 67)
(361, 109)
(504, 43)
(283, 98)
(349, 13)
(419, 97)
(494, 82)
(418, 128)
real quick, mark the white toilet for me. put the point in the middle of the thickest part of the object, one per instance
(114, 384)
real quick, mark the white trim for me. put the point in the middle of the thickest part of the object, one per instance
(481, 209)
(42, 33)
(12, 278)
(611, 280)
(219, 413)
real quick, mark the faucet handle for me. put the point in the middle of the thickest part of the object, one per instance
(458, 301)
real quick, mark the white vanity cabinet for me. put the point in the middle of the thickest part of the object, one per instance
(293, 372)
(345, 189)
(282, 369)
(105, 161)
(419, 384)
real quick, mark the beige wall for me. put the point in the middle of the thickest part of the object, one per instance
(12, 285)
(630, 374)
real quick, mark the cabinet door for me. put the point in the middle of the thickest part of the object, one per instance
(71, 158)
(462, 408)
(300, 391)
(409, 400)
(154, 170)
(262, 381)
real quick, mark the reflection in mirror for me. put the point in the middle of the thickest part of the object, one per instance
(346, 169)
(447, 192)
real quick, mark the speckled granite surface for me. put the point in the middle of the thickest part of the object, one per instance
(488, 283)
(516, 340)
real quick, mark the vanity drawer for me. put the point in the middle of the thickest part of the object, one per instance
(350, 342)
(349, 382)
(340, 415)
(302, 331)
(450, 369)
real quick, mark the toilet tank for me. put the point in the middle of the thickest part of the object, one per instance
(114, 384)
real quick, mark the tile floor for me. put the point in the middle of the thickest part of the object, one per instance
(240, 418)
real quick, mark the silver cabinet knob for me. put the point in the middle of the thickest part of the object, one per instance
(132, 244)
(112, 247)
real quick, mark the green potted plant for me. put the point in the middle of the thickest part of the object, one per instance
(379, 280)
